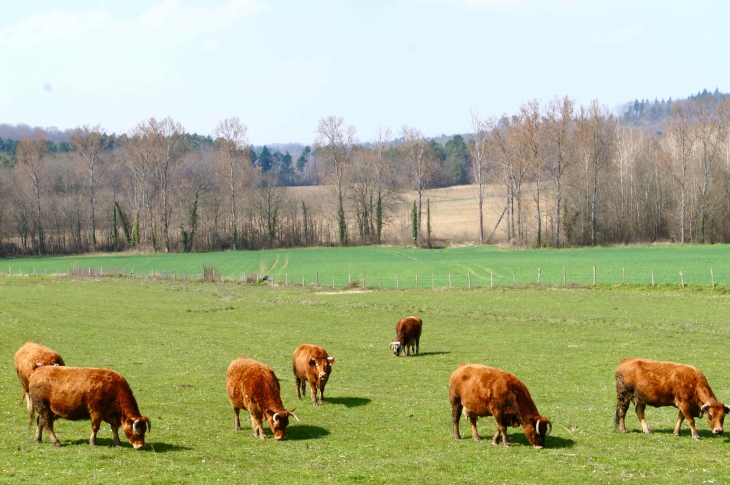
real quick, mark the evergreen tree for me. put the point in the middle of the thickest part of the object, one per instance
(266, 160)
(414, 223)
(303, 158)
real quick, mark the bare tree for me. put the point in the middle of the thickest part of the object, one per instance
(89, 144)
(31, 153)
(529, 135)
(415, 151)
(679, 144)
(233, 151)
(383, 175)
(558, 117)
(707, 131)
(335, 142)
(479, 162)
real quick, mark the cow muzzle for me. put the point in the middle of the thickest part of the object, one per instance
(322, 376)
(138, 446)
(717, 431)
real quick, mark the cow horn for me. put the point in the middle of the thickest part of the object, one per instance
(705, 407)
(330, 359)
(295, 416)
(134, 426)
(149, 425)
(537, 427)
(275, 417)
(727, 408)
(550, 427)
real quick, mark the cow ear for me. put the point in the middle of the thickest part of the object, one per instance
(312, 361)
(331, 360)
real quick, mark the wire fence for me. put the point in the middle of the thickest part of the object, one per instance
(587, 277)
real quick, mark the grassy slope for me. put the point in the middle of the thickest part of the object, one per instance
(387, 419)
(372, 262)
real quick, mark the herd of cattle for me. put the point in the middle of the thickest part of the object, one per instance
(53, 390)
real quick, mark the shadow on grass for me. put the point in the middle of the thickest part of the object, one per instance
(348, 402)
(305, 432)
(551, 442)
(109, 443)
(685, 433)
(423, 354)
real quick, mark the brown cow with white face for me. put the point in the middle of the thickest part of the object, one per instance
(30, 357)
(477, 390)
(659, 383)
(253, 386)
(312, 364)
(86, 393)
(407, 336)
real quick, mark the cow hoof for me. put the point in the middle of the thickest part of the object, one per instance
(676, 434)
(56, 443)
(696, 438)
(508, 445)
(38, 440)
(495, 442)
(624, 431)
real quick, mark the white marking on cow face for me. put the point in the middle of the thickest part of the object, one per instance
(397, 347)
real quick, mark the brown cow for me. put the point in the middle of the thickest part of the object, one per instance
(477, 390)
(407, 335)
(658, 383)
(86, 393)
(312, 364)
(28, 358)
(253, 386)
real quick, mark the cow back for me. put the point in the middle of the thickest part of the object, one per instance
(28, 358)
(248, 379)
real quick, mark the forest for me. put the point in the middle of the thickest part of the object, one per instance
(566, 175)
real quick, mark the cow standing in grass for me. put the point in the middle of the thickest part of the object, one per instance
(659, 383)
(253, 386)
(407, 336)
(85, 393)
(30, 357)
(477, 390)
(312, 364)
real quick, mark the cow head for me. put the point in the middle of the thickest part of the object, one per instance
(322, 368)
(536, 428)
(397, 347)
(716, 412)
(279, 421)
(135, 429)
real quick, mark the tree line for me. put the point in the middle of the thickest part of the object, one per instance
(566, 175)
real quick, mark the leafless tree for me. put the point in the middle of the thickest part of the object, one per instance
(335, 143)
(89, 144)
(32, 156)
(415, 153)
(559, 148)
(679, 144)
(478, 151)
(233, 151)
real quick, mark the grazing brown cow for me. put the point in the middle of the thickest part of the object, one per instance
(407, 335)
(253, 386)
(312, 364)
(28, 358)
(477, 390)
(86, 393)
(657, 384)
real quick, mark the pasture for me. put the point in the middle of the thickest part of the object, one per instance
(386, 419)
(399, 267)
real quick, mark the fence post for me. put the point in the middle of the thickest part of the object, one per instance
(623, 272)
(101, 270)
(317, 279)
(594, 276)
(491, 279)
(565, 277)
(349, 279)
(538, 276)
(416, 280)
(302, 280)
(89, 270)
(681, 274)
(381, 282)
(397, 283)
(652, 277)
(712, 275)
(333, 282)
(449, 280)
(468, 277)
(432, 281)
(514, 278)
(33, 270)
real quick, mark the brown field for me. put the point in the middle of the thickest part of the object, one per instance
(454, 212)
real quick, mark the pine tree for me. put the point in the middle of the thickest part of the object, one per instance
(414, 223)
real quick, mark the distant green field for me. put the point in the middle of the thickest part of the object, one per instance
(387, 420)
(400, 266)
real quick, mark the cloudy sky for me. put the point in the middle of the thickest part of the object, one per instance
(281, 65)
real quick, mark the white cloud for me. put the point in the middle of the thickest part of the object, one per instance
(210, 45)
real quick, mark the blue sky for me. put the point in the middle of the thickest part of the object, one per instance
(281, 65)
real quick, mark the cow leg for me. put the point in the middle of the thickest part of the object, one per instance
(95, 424)
(417, 344)
(680, 418)
(474, 432)
(495, 439)
(685, 409)
(456, 409)
(236, 419)
(115, 432)
(258, 428)
(623, 399)
(321, 393)
(299, 384)
(46, 419)
(640, 407)
(313, 388)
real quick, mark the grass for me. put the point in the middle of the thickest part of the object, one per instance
(352, 264)
(387, 420)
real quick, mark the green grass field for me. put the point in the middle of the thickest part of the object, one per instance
(352, 264)
(387, 420)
